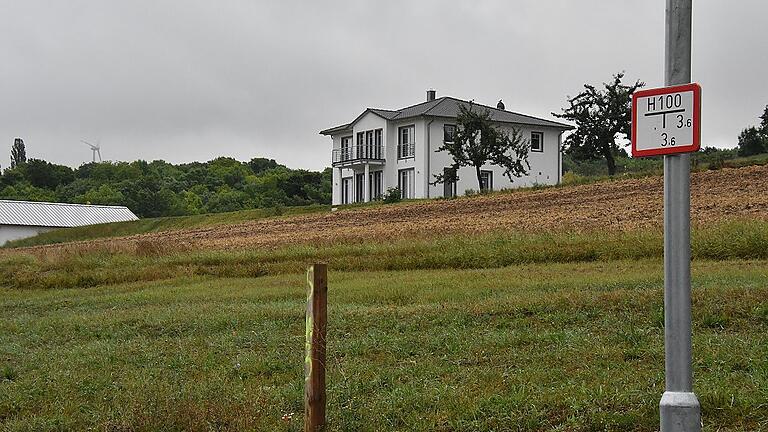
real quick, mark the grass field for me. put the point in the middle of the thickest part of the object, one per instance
(563, 346)
(73, 268)
(508, 321)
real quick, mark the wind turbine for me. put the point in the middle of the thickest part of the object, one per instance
(96, 149)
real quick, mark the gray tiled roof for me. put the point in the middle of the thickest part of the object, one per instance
(62, 215)
(418, 109)
(447, 106)
(387, 114)
(336, 129)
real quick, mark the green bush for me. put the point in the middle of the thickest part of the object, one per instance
(392, 195)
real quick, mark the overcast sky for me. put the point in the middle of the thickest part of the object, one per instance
(192, 80)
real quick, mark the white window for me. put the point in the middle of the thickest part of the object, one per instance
(375, 185)
(346, 148)
(359, 188)
(359, 146)
(486, 180)
(537, 141)
(406, 146)
(449, 131)
(346, 190)
(378, 152)
(368, 149)
(405, 181)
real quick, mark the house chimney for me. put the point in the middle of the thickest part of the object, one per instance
(431, 93)
(500, 105)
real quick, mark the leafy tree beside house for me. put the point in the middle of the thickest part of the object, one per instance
(602, 117)
(477, 142)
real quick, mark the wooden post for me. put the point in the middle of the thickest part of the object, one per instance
(314, 361)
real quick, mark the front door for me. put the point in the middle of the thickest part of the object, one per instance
(359, 187)
(346, 190)
(405, 181)
(449, 183)
(375, 183)
(486, 181)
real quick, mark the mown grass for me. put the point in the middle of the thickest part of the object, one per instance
(563, 346)
(71, 268)
(150, 225)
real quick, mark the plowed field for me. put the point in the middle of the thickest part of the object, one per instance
(614, 205)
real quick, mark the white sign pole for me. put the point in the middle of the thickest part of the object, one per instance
(679, 408)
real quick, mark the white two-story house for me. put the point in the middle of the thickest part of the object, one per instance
(382, 149)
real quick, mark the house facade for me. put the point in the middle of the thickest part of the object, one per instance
(382, 149)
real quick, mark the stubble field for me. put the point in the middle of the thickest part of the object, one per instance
(622, 205)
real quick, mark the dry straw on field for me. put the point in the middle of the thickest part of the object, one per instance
(621, 205)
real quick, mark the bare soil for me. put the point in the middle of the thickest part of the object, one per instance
(739, 193)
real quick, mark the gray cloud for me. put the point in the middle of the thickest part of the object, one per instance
(191, 80)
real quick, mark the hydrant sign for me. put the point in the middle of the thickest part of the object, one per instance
(666, 120)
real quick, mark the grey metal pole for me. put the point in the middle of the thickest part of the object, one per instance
(679, 408)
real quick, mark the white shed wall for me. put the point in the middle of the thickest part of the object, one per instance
(15, 232)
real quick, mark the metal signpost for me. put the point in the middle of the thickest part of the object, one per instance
(667, 122)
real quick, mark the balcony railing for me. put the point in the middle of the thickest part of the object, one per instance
(364, 152)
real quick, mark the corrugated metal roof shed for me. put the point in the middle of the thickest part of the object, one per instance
(30, 213)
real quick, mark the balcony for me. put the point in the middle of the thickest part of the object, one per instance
(358, 154)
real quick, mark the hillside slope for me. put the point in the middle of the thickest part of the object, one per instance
(615, 205)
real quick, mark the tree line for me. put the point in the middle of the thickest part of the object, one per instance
(159, 188)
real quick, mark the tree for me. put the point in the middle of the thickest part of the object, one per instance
(18, 153)
(477, 141)
(27, 192)
(259, 165)
(44, 174)
(192, 203)
(754, 140)
(602, 116)
(751, 142)
(104, 195)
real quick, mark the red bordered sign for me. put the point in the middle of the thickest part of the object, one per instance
(666, 120)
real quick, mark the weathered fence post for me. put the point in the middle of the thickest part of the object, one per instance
(314, 361)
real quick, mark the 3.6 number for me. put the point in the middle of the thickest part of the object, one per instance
(683, 122)
(667, 141)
